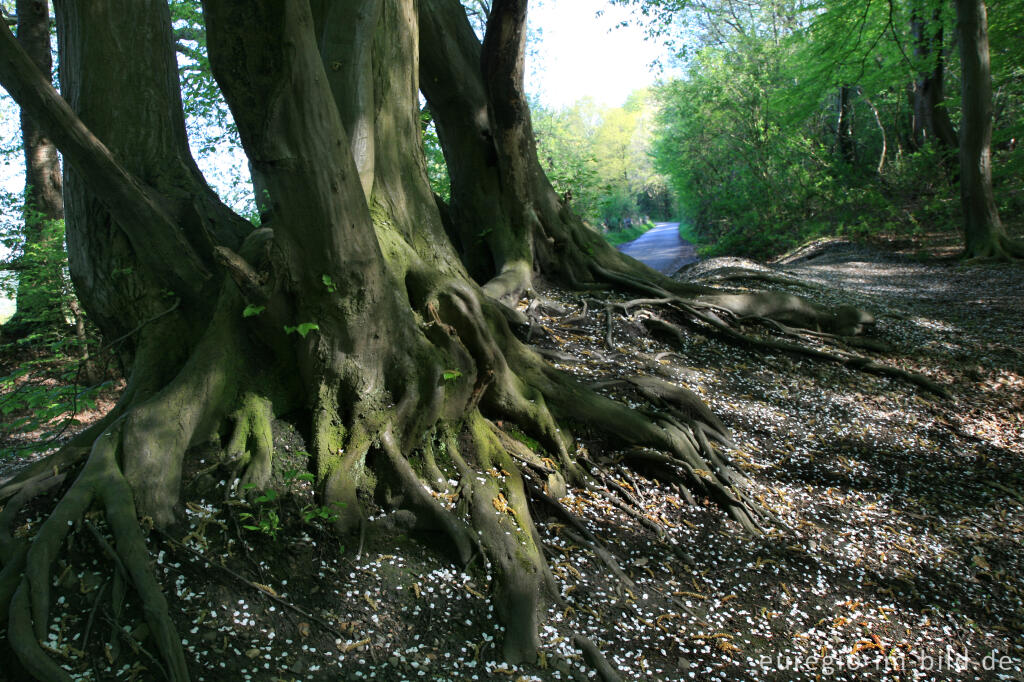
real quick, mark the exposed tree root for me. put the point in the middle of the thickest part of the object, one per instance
(100, 481)
(496, 475)
(593, 656)
(721, 313)
(251, 447)
(999, 248)
(663, 328)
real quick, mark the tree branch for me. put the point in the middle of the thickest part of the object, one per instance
(154, 236)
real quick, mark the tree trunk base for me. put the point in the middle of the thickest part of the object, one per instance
(437, 451)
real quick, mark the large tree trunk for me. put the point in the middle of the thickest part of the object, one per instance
(41, 285)
(984, 234)
(508, 222)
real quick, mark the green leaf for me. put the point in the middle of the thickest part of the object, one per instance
(253, 310)
(268, 496)
(451, 374)
(329, 283)
(303, 329)
(307, 327)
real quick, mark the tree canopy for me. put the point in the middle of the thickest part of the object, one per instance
(842, 118)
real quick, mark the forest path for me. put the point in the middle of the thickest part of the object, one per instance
(661, 248)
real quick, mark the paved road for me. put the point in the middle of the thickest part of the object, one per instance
(661, 248)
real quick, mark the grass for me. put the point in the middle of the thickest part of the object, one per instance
(688, 234)
(616, 237)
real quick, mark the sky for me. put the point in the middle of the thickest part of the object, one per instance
(582, 55)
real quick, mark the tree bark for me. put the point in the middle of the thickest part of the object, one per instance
(509, 223)
(41, 285)
(931, 117)
(452, 84)
(844, 127)
(984, 234)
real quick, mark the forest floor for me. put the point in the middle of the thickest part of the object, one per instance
(898, 555)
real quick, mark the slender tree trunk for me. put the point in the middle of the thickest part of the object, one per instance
(984, 234)
(881, 132)
(931, 116)
(41, 286)
(844, 127)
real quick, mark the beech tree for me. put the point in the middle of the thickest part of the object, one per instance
(382, 321)
(41, 278)
(984, 234)
(931, 118)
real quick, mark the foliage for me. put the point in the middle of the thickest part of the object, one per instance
(42, 393)
(303, 329)
(265, 517)
(628, 234)
(45, 377)
(751, 138)
(437, 167)
(600, 160)
(269, 511)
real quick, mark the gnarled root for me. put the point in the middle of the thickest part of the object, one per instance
(251, 447)
(101, 481)
(999, 248)
(721, 314)
(464, 449)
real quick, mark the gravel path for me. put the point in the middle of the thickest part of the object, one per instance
(661, 248)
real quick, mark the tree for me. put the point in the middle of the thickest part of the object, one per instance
(984, 234)
(931, 116)
(41, 287)
(349, 307)
(600, 158)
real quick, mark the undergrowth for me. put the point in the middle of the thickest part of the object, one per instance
(616, 237)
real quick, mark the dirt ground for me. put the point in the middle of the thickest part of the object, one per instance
(897, 555)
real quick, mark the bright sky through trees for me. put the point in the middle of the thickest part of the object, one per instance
(582, 55)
